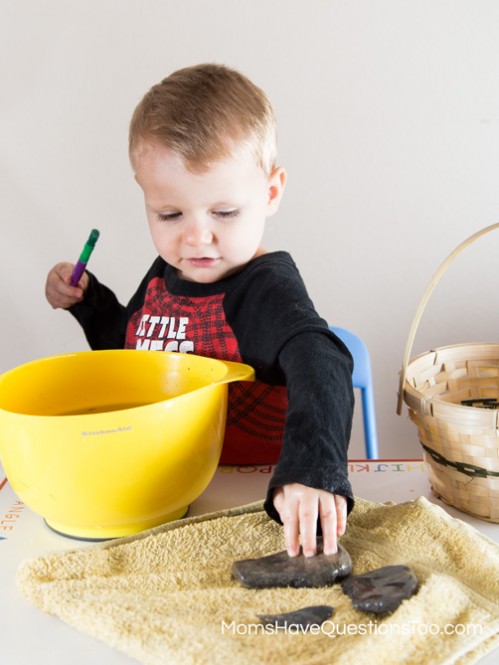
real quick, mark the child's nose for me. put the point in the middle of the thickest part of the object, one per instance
(197, 233)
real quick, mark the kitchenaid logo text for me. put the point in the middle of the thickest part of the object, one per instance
(99, 432)
(163, 333)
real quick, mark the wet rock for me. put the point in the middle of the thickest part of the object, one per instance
(315, 615)
(381, 590)
(281, 570)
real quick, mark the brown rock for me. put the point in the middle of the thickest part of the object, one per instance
(381, 590)
(281, 570)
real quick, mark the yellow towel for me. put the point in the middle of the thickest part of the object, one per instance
(166, 596)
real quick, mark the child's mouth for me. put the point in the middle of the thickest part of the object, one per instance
(203, 262)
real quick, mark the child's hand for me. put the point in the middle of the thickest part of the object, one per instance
(58, 289)
(299, 507)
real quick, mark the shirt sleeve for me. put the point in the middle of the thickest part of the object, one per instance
(102, 317)
(318, 373)
(283, 337)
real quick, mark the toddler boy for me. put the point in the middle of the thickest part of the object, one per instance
(202, 145)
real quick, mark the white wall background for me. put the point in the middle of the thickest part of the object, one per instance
(389, 127)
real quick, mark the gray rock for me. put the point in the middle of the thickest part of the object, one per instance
(381, 590)
(281, 570)
(304, 617)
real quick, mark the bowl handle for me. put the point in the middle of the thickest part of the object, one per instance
(424, 300)
(236, 372)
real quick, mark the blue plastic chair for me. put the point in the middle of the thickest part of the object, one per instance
(362, 378)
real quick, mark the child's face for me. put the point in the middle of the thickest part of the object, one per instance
(209, 224)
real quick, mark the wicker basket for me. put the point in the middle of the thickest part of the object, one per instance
(460, 442)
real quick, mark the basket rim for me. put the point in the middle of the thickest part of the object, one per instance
(447, 347)
(435, 406)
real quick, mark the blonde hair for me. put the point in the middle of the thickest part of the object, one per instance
(203, 114)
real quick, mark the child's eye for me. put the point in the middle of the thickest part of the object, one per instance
(169, 216)
(227, 214)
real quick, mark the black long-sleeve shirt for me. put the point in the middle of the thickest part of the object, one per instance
(298, 413)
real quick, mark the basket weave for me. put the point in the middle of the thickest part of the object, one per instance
(460, 443)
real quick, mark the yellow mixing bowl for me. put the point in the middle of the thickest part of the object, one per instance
(105, 444)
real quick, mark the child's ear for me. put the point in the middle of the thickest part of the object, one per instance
(277, 182)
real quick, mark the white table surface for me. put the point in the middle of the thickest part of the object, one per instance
(29, 636)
